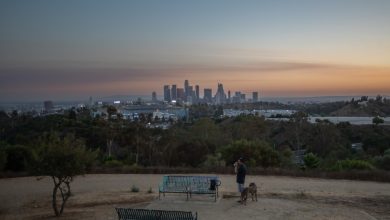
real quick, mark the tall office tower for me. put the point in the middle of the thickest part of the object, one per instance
(229, 97)
(207, 95)
(243, 98)
(154, 96)
(255, 97)
(220, 96)
(90, 101)
(197, 92)
(180, 94)
(48, 105)
(237, 97)
(167, 93)
(186, 85)
(174, 92)
(190, 95)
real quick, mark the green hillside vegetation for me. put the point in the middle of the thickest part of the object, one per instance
(203, 143)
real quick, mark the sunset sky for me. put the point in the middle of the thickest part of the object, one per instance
(70, 50)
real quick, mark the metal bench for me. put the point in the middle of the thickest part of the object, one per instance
(148, 214)
(190, 185)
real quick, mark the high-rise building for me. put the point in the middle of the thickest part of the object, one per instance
(255, 97)
(180, 94)
(237, 97)
(243, 98)
(197, 92)
(186, 92)
(220, 96)
(154, 96)
(207, 95)
(167, 93)
(174, 92)
(229, 97)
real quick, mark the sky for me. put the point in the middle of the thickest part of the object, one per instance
(71, 49)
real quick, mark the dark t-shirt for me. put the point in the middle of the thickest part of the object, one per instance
(241, 172)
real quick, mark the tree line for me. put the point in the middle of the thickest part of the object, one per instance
(201, 142)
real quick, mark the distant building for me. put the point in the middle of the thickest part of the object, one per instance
(237, 97)
(174, 92)
(186, 89)
(167, 93)
(220, 96)
(48, 105)
(190, 94)
(180, 94)
(255, 97)
(243, 98)
(197, 92)
(207, 95)
(154, 97)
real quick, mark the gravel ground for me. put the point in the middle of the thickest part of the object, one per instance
(95, 196)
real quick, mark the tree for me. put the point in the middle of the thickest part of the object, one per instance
(111, 110)
(62, 159)
(256, 153)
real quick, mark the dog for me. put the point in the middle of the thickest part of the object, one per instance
(252, 189)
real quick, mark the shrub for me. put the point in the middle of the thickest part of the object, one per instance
(150, 190)
(18, 158)
(134, 189)
(3, 159)
(342, 165)
(383, 162)
(113, 163)
(311, 161)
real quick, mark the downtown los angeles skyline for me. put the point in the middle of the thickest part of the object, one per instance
(69, 50)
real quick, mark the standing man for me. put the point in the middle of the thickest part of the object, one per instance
(240, 169)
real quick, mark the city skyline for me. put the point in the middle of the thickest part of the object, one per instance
(70, 50)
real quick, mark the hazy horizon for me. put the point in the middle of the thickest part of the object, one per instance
(70, 50)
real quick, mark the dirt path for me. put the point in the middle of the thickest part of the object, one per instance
(95, 196)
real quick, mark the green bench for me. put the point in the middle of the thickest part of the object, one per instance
(190, 185)
(148, 214)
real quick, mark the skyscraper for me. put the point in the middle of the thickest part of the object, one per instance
(220, 96)
(167, 93)
(190, 95)
(255, 96)
(207, 95)
(174, 92)
(180, 94)
(186, 85)
(197, 92)
(154, 96)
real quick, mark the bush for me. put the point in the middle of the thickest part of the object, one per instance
(3, 159)
(134, 189)
(113, 163)
(383, 162)
(311, 161)
(18, 158)
(352, 165)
